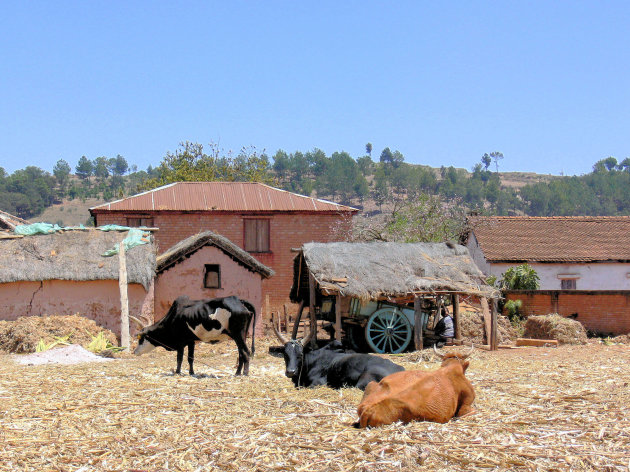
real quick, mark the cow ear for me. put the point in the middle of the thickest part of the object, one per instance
(465, 365)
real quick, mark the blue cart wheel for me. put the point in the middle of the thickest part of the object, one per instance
(388, 331)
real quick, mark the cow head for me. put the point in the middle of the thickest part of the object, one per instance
(293, 350)
(144, 343)
(455, 357)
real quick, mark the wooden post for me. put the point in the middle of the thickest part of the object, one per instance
(457, 325)
(487, 319)
(494, 335)
(417, 328)
(311, 307)
(298, 318)
(338, 317)
(124, 300)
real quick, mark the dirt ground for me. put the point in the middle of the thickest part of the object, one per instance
(538, 409)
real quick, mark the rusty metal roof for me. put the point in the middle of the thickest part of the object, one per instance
(221, 196)
(553, 239)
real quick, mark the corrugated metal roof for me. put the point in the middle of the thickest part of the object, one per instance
(222, 196)
(554, 239)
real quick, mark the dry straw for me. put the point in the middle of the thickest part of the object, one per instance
(538, 409)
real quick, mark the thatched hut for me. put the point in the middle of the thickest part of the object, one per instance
(64, 273)
(355, 280)
(208, 265)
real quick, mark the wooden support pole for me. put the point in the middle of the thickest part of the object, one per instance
(298, 318)
(417, 328)
(457, 322)
(124, 300)
(487, 319)
(338, 318)
(311, 307)
(494, 335)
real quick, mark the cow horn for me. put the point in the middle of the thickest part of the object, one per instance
(283, 339)
(139, 323)
(472, 348)
(441, 356)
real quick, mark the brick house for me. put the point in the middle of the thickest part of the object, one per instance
(266, 222)
(583, 263)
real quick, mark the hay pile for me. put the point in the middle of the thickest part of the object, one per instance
(23, 334)
(133, 414)
(473, 328)
(554, 326)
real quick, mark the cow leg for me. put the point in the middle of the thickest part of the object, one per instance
(243, 356)
(191, 357)
(364, 380)
(180, 358)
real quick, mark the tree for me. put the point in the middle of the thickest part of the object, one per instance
(521, 277)
(84, 168)
(101, 168)
(496, 157)
(118, 165)
(365, 165)
(387, 157)
(368, 150)
(426, 219)
(486, 160)
(61, 171)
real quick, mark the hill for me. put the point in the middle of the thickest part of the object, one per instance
(68, 213)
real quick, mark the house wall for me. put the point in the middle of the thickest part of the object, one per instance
(287, 230)
(476, 254)
(98, 300)
(600, 276)
(600, 311)
(186, 278)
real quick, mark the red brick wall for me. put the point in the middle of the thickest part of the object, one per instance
(287, 230)
(601, 311)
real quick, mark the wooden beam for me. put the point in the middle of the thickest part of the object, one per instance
(311, 307)
(487, 319)
(298, 318)
(494, 328)
(417, 328)
(124, 300)
(338, 318)
(457, 323)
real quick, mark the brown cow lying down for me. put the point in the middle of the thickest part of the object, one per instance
(419, 395)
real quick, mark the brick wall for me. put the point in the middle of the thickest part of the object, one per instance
(287, 230)
(600, 311)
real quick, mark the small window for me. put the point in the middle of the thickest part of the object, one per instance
(256, 235)
(212, 276)
(568, 284)
(137, 221)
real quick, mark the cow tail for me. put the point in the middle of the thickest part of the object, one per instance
(251, 308)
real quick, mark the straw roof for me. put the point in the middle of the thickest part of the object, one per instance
(380, 270)
(9, 221)
(73, 255)
(187, 247)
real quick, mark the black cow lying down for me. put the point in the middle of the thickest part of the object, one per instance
(331, 365)
(188, 321)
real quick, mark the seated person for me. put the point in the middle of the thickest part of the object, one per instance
(445, 330)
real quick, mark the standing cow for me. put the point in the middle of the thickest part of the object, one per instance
(189, 321)
(331, 365)
(406, 396)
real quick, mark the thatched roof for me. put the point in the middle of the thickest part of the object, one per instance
(8, 221)
(381, 270)
(73, 255)
(187, 247)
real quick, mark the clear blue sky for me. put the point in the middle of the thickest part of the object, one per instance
(546, 83)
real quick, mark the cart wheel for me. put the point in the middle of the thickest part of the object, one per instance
(388, 330)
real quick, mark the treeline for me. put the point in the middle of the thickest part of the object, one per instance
(27, 192)
(387, 179)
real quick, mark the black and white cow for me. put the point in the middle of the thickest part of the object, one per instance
(331, 365)
(188, 321)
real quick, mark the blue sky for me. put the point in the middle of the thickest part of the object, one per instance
(546, 83)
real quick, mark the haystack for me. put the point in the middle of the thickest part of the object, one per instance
(554, 326)
(23, 334)
(473, 328)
